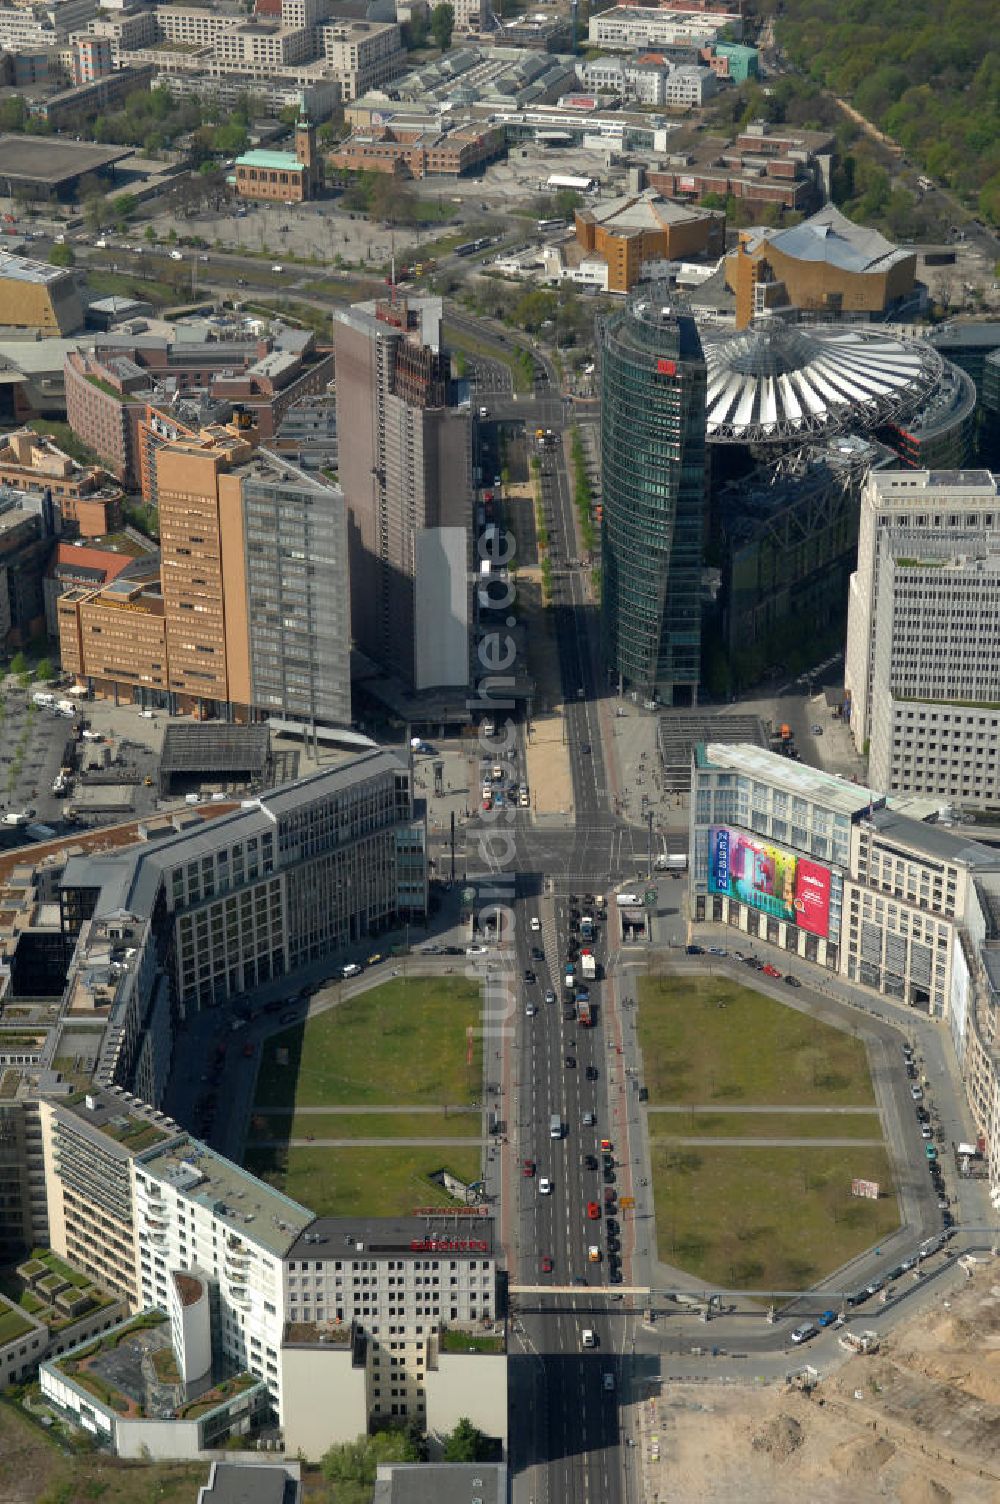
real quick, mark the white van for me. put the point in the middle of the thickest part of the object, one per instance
(44, 700)
(555, 1126)
(628, 900)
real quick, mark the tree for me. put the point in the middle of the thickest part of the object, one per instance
(125, 205)
(356, 1462)
(150, 235)
(442, 25)
(44, 670)
(466, 1443)
(18, 664)
(61, 255)
(13, 114)
(415, 32)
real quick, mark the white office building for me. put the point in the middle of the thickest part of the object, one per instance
(198, 1214)
(827, 870)
(923, 645)
(771, 847)
(386, 1312)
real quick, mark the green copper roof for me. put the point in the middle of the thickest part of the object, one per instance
(283, 161)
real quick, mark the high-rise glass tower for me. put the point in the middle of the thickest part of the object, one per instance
(653, 491)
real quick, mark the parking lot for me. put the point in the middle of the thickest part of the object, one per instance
(32, 751)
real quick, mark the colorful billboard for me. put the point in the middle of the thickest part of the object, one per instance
(769, 878)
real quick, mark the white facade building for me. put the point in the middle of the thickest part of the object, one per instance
(406, 1289)
(923, 638)
(196, 1213)
(627, 27)
(688, 86)
(824, 869)
(771, 847)
(363, 54)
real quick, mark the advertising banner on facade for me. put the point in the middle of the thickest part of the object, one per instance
(770, 878)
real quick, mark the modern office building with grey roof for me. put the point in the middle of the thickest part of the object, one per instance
(830, 872)
(292, 878)
(923, 635)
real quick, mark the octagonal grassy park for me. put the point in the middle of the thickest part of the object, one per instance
(361, 1105)
(760, 1117)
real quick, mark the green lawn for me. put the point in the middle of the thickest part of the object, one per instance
(12, 1324)
(106, 284)
(379, 1182)
(765, 1125)
(403, 1042)
(707, 1039)
(767, 1218)
(369, 1125)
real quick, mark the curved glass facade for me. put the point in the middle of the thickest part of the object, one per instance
(653, 492)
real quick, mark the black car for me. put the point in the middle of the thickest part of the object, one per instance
(570, 1062)
(643, 1093)
(694, 950)
(616, 1276)
(609, 1176)
(529, 975)
(537, 954)
(569, 1015)
(608, 1161)
(947, 1220)
(611, 1227)
(590, 1161)
(614, 1246)
(791, 981)
(585, 748)
(454, 950)
(592, 1073)
(911, 1071)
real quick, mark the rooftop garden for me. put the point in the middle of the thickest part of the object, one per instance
(451, 1340)
(227, 1390)
(13, 1323)
(311, 1332)
(54, 1291)
(135, 1133)
(10, 1080)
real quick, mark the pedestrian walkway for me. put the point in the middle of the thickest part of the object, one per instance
(738, 1111)
(355, 1111)
(767, 1143)
(368, 1143)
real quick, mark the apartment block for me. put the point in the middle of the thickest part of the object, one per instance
(199, 1214)
(89, 1142)
(920, 669)
(92, 58)
(390, 1299)
(407, 479)
(363, 54)
(89, 503)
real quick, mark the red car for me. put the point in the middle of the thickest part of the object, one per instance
(606, 1145)
(593, 1211)
(529, 1168)
(771, 971)
(546, 1265)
